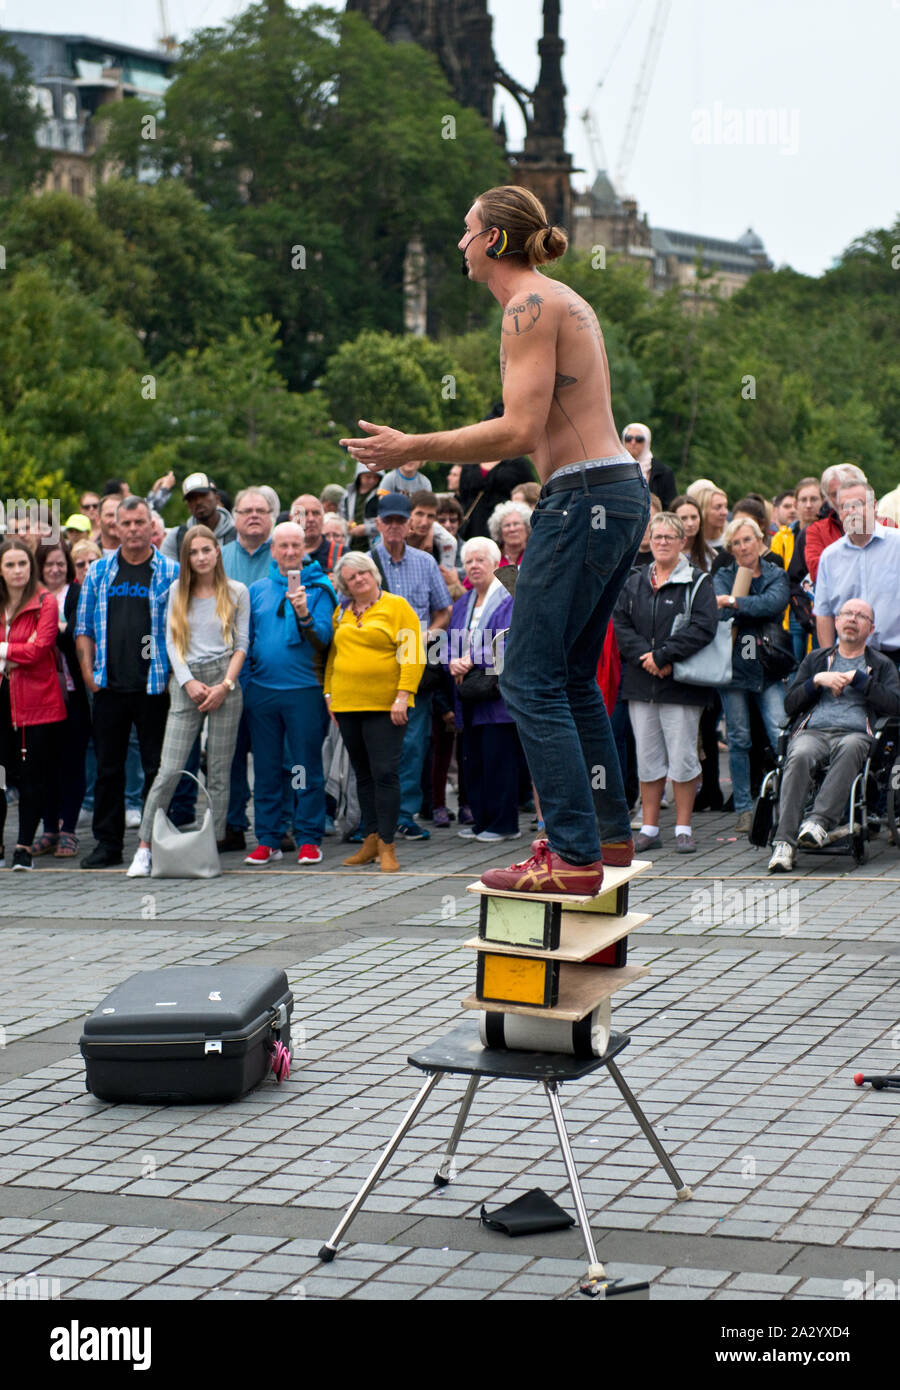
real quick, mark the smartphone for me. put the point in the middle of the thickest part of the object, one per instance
(293, 579)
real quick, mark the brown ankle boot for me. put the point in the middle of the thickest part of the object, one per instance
(367, 852)
(387, 858)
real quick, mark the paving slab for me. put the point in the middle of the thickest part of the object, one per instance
(744, 1038)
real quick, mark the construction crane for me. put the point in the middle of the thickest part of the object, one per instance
(591, 129)
(641, 92)
(167, 40)
(595, 143)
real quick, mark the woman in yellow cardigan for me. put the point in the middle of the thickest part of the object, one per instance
(375, 663)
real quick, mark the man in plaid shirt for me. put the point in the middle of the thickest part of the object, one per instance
(120, 636)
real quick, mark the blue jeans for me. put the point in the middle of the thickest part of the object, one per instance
(416, 742)
(770, 703)
(298, 717)
(578, 556)
(134, 775)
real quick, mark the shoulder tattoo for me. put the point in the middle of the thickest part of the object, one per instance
(520, 317)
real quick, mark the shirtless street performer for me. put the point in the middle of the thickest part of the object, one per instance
(587, 526)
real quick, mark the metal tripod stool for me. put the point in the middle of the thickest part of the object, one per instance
(461, 1052)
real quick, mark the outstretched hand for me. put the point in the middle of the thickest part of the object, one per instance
(384, 449)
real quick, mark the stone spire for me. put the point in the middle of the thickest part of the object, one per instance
(547, 132)
(459, 34)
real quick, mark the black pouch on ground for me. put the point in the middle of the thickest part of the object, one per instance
(187, 1033)
(528, 1215)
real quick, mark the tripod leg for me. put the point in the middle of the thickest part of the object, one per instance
(444, 1174)
(595, 1268)
(329, 1250)
(682, 1192)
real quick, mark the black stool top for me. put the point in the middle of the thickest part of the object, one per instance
(462, 1051)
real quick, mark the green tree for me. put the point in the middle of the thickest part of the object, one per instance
(151, 256)
(224, 410)
(64, 236)
(70, 380)
(22, 162)
(201, 283)
(410, 383)
(326, 149)
(22, 476)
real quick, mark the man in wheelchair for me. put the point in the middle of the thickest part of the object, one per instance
(835, 694)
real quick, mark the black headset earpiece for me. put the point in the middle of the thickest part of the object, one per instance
(499, 247)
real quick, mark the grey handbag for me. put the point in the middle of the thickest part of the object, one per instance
(712, 664)
(178, 853)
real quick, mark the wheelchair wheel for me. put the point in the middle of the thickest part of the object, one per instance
(892, 803)
(763, 821)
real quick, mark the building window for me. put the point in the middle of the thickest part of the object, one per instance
(76, 186)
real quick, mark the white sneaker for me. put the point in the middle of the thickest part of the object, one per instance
(132, 818)
(467, 833)
(782, 860)
(812, 835)
(489, 836)
(140, 864)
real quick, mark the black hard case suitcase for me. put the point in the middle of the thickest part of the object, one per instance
(187, 1033)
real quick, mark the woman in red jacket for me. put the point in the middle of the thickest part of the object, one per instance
(31, 704)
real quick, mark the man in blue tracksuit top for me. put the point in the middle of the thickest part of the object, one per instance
(290, 630)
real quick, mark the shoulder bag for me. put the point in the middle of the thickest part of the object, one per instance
(178, 853)
(712, 664)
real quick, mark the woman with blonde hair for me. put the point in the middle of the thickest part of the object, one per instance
(84, 553)
(761, 600)
(713, 508)
(207, 634)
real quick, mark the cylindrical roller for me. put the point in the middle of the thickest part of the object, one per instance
(589, 1037)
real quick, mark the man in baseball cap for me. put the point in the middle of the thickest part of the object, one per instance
(199, 492)
(77, 526)
(415, 576)
(393, 504)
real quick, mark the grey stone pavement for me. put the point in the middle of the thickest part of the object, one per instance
(764, 997)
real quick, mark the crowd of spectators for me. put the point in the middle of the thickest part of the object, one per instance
(337, 660)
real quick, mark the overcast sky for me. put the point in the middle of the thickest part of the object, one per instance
(819, 168)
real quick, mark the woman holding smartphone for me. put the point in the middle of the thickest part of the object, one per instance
(207, 630)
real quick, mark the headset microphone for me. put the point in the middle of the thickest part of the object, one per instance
(474, 237)
(500, 249)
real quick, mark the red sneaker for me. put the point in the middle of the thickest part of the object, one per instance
(545, 872)
(262, 855)
(309, 854)
(618, 853)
